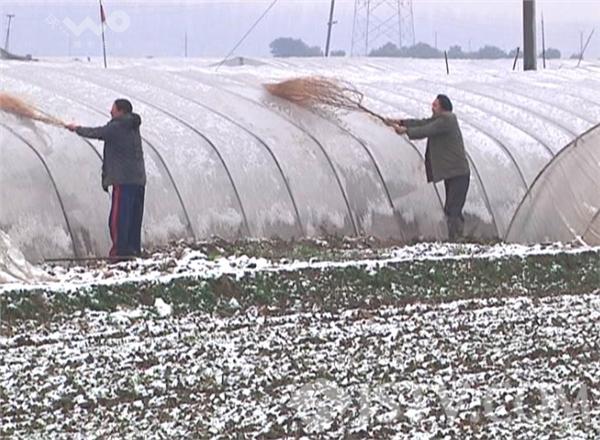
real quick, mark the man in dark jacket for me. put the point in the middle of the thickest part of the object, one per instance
(123, 169)
(445, 157)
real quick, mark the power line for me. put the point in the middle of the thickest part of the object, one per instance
(238, 44)
(585, 47)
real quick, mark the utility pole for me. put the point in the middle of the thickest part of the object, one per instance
(102, 21)
(543, 42)
(330, 24)
(185, 44)
(529, 46)
(368, 27)
(10, 17)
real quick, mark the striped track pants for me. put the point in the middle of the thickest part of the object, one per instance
(125, 220)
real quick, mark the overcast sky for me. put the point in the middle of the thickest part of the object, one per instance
(151, 27)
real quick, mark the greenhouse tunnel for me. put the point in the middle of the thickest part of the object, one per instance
(225, 159)
(564, 202)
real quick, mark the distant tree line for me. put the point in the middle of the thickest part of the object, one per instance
(552, 54)
(290, 47)
(424, 50)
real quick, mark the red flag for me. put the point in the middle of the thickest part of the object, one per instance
(102, 15)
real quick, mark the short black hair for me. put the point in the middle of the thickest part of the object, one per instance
(445, 102)
(124, 105)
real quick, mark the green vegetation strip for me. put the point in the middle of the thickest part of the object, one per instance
(327, 289)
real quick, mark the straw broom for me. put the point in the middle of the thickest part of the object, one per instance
(321, 92)
(16, 106)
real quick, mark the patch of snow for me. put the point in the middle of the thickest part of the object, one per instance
(164, 268)
(163, 309)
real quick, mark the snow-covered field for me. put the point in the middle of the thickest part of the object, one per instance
(315, 340)
(496, 368)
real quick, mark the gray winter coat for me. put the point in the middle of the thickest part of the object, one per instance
(123, 156)
(445, 156)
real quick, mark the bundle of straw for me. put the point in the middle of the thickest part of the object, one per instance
(16, 106)
(320, 92)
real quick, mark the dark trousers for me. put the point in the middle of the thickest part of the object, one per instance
(125, 221)
(456, 195)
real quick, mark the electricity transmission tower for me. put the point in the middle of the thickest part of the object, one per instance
(377, 22)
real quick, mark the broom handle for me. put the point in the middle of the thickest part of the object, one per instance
(49, 120)
(372, 113)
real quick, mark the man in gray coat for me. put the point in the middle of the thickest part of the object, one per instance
(122, 169)
(445, 157)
